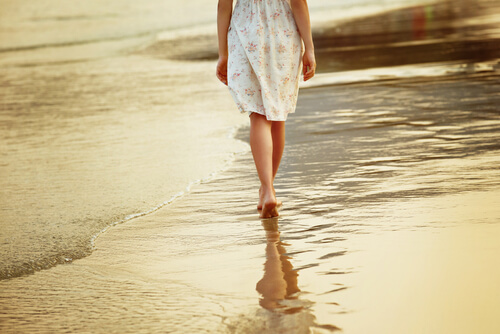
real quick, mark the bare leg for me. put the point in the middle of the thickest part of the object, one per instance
(261, 142)
(278, 134)
(278, 138)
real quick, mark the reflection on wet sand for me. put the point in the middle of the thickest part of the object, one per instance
(279, 282)
(279, 289)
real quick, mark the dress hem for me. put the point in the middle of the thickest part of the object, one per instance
(267, 117)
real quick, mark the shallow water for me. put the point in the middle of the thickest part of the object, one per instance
(96, 143)
(94, 124)
(389, 224)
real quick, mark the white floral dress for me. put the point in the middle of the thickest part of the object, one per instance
(264, 62)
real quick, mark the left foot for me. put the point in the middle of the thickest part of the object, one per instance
(269, 204)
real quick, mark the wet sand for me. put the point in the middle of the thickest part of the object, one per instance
(466, 31)
(395, 230)
(389, 223)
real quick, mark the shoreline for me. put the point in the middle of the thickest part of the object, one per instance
(355, 240)
(232, 134)
(102, 162)
(363, 241)
(178, 196)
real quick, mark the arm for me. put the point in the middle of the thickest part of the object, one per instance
(224, 11)
(301, 15)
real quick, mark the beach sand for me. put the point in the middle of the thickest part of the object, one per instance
(400, 237)
(389, 180)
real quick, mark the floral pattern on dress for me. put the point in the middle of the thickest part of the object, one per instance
(265, 53)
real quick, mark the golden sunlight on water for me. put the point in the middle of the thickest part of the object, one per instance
(389, 225)
(357, 246)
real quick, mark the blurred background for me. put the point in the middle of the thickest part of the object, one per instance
(348, 34)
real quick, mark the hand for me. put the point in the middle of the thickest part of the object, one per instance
(309, 65)
(221, 71)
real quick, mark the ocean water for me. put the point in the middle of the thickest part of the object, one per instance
(98, 125)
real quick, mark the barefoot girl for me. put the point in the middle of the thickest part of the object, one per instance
(261, 55)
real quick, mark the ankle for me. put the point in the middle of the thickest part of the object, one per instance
(266, 191)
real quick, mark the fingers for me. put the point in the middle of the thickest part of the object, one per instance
(221, 70)
(222, 75)
(309, 64)
(222, 78)
(309, 72)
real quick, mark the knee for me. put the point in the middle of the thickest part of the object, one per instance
(256, 118)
